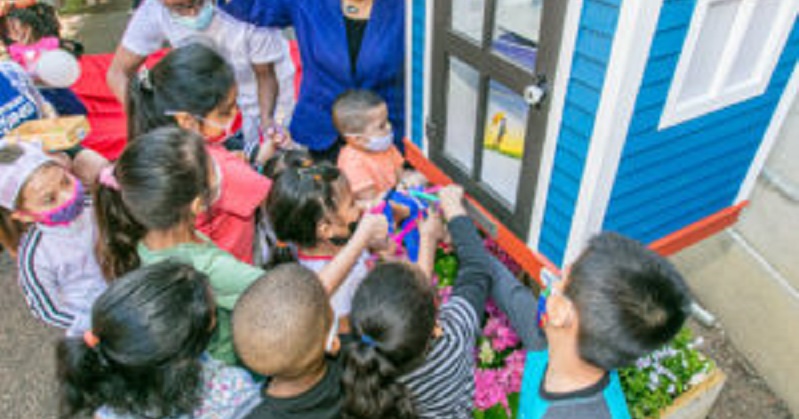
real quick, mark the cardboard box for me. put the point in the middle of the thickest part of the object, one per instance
(54, 134)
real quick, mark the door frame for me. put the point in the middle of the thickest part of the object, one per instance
(491, 65)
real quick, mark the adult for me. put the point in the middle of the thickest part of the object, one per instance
(344, 44)
(20, 101)
(259, 56)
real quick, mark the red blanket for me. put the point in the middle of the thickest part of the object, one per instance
(105, 113)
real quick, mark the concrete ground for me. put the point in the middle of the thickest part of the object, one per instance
(749, 275)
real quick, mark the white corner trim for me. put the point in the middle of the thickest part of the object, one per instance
(571, 26)
(629, 55)
(770, 138)
(718, 97)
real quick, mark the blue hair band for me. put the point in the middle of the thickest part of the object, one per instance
(368, 341)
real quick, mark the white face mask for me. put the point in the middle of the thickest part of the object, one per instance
(381, 143)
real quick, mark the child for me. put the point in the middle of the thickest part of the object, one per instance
(144, 354)
(32, 31)
(311, 207)
(617, 302)
(282, 328)
(371, 162)
(403, 362)
(146, 209)
(43, 217)
(193, 88)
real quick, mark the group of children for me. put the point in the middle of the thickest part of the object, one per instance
(200, 281)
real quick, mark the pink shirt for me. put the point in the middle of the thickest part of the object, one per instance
(231, 224)
(28, 55)
(368, 169)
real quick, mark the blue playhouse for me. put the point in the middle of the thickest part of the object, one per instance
(563, 118)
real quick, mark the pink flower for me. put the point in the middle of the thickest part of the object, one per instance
(444, 294)
(488, 391)
(501, 335)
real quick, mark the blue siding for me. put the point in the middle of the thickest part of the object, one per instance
(594, 40)
(419, 27)
(670, 179)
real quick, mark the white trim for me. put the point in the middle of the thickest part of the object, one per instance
(770, 138)
(571, 27)
(428, 70)
(409, 69)
(720, 95)
(637, 24)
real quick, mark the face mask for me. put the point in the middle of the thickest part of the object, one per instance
(341, 240)
(66, 212)
(198, 22)
(228, 130)
(378, 144)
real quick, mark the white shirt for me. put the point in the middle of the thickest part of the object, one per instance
(239, 43)
(341, 300)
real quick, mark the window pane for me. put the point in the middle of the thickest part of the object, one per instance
(752, 49)
(506, 129)
(517, 30)
(467, 18)
(462, 98)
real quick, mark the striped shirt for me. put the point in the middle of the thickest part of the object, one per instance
(443, 386)
(58, 272)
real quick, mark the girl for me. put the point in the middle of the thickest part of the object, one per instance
(312, 207)
(146, 210)
(193, 88)
(144, 354)
(43, 218)
(403, 363)
(30, 31)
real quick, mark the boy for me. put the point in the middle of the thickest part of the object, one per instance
(371, 162)
(618, 302)
(282, 328)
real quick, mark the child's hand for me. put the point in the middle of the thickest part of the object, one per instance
(451, 201)
(411, 179)
(432, 228)
(279, 136)
(372, 229)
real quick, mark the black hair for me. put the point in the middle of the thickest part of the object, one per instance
(40, 17)
(302, 195)
(152, 326)
(159, 175)
(284, 159)
(350, 107)
(393, 315)
(269, 341)
(630, 301)
(193, 79)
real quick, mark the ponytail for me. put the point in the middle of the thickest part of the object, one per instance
(118, 233)
(393, 311)
(83, 374)
(143, 111)
(372, 389)
(281, 253)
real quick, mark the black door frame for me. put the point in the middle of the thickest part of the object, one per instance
(492, 66)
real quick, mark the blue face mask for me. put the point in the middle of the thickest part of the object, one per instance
(198, 22)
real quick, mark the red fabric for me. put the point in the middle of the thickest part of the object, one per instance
(106, 115)
(231, 224)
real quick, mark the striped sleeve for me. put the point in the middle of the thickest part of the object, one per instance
(40, 284)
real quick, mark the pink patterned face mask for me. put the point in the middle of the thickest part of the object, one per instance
(66, 212)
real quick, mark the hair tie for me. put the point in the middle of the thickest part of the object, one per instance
(90, 339)
(108, 179)
(368, 341)
(145, 82)
(281, 244)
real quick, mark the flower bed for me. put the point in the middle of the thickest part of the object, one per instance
(651, 386)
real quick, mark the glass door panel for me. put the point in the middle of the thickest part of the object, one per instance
(462, 96)
(467, 18)
(517, 29)
(503, 142)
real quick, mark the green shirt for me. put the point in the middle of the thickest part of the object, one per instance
(228, 276)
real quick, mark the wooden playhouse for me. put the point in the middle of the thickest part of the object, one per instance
(563, 118)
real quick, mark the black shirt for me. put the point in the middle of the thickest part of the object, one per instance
(355, 30)
(323, 401)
